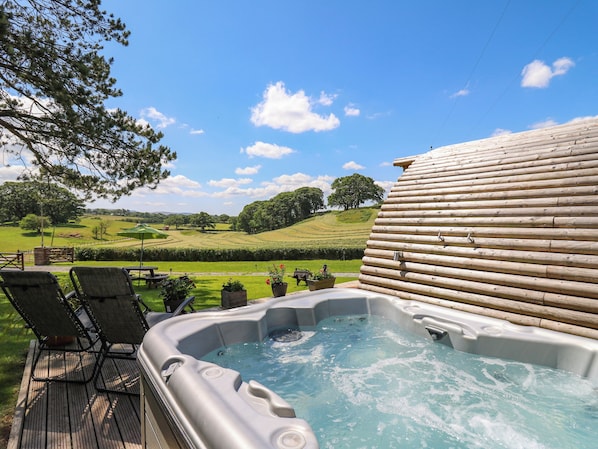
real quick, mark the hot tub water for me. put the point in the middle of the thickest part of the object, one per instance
(360, 381)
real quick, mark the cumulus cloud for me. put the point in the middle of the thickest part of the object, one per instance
(173, 185)
(385, 164)
(229, 182)
(248, 170)
(267, 150)
(538, 74)
(291, 112)
(10, 172)
(283, 183)
(352, 165)
(386, 185)
(326, 99)
(196, 131)
(153, 115)
(351, 111)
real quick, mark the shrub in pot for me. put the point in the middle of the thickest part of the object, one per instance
(233, 294)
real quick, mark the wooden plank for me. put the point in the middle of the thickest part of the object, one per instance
(570, 234)
(18, 420)
(34, 432)
(63, 415)
(507, 223)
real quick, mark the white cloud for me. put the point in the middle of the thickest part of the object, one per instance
(10, 172)
(248, 170)
(326, 99)
(284, 183)
(352, 165)
(267, 150)
(538, 74)
(351, 111)
(152, 114)
(386, 185)
(196, 131)
(460, 93)
(500, 132)
(229, 182)
(291, 112)
(173, 185)
(545, 124)
(385, 164)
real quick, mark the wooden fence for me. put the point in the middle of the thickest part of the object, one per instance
(12, 260)
(505, 227)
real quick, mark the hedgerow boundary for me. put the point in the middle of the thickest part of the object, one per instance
(217, 255)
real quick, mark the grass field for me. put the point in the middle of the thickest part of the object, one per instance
(350, 228)
(347, 228)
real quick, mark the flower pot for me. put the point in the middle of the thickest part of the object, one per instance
(279, 289)
(229, 300)
(170, 305)
(60, 340)
(318, 285)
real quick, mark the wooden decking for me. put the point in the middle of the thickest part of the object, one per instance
(67, 415)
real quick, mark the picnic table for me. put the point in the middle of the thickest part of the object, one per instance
(151, 278)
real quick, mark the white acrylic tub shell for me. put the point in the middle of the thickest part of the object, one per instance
(187, 402)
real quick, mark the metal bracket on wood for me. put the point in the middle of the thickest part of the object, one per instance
(440, 237)
(470, 238)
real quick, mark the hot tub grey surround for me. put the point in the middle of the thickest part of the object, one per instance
(206, 406)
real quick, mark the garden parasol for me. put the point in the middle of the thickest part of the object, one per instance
(142, 232)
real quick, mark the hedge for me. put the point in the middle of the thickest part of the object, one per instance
(217, 255)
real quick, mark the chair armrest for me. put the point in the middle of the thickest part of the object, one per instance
(187, 302)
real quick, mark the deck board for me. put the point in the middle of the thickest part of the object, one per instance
(66, 415)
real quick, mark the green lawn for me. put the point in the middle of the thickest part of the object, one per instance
(343, 229)
(347, 228)
(208, 278)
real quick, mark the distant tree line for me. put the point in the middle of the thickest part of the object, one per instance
(288, 208)
(283, 210)
(36, 204)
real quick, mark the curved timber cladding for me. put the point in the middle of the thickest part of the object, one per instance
(505, 227)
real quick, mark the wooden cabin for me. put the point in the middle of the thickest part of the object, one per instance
(505, 227)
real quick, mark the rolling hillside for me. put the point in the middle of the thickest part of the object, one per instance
(348, 228)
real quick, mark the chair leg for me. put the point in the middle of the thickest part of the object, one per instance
(42, 347)
(106, 354)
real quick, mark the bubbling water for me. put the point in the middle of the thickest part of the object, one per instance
(361, 382)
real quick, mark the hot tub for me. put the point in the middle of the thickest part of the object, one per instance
(187, 402)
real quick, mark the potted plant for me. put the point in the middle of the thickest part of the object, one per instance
(276, 280)
(233, 294)
(321, 279)
(173, 291)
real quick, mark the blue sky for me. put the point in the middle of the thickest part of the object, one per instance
(258, 97)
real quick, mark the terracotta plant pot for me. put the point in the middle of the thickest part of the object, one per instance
(279, 289)
(229, 300)
(318, 285)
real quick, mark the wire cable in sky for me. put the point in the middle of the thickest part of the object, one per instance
(534, 56)
(481, 55)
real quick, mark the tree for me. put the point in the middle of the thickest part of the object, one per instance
(175, 220)
(40, 198)
(285, 209)
(32, 222)
(352, 191)
(308, 201)
(202, 220)
(54, 83)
